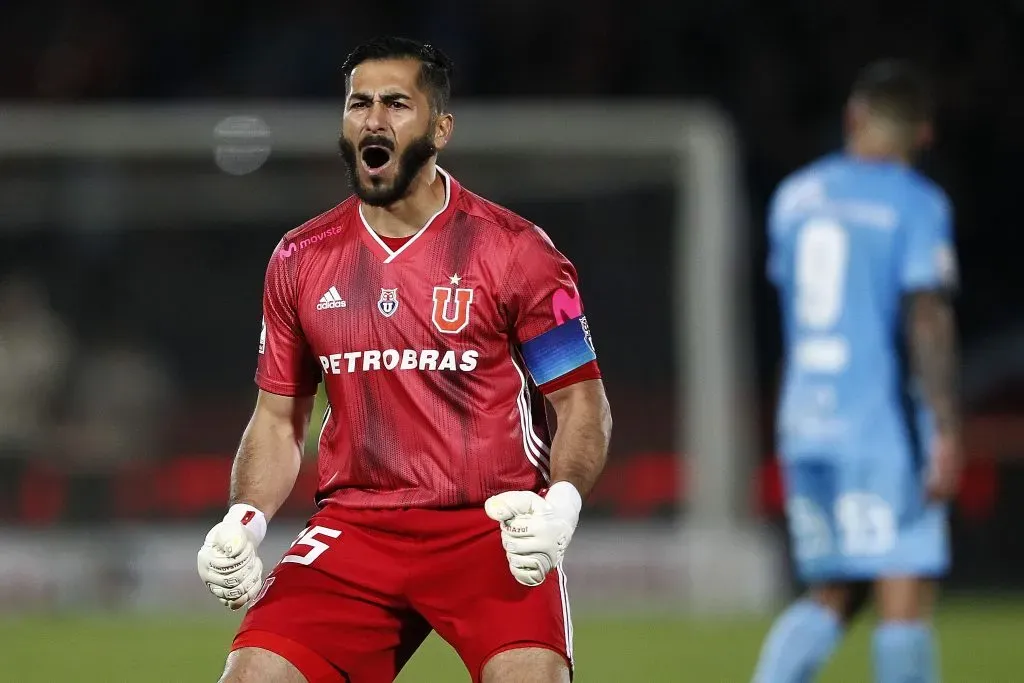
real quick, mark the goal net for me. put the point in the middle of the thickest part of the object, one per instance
(645, 199)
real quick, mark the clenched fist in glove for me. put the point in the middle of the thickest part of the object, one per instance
(535, 530)
(228, 562)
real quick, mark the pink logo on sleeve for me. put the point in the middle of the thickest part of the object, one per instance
(566, 306)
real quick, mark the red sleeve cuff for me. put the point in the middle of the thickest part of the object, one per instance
(274, 386)
(581, 374)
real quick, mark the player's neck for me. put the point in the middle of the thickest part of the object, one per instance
(408, 215)
(874, 150)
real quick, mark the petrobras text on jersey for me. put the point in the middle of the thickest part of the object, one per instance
(393, 359)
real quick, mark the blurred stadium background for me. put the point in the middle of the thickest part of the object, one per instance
(151, 157)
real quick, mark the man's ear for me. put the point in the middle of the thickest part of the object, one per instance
(443, 130)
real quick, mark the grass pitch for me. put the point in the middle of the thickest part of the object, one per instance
(981, 642)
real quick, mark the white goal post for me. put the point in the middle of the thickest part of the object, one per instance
(710, 254)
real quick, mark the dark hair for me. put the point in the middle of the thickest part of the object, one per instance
(896, 89)
(435, 66)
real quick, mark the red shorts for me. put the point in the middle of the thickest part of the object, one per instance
(360, 590)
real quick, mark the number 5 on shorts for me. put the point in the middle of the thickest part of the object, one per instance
(309, 538)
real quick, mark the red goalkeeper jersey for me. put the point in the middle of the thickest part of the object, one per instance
(434, 356)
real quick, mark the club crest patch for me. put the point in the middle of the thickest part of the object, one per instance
(388, 302)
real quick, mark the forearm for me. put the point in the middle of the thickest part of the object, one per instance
(266, 465)
(580, 447)
(933, 345)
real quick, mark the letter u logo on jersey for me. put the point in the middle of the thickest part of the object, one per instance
(448, 317)
(388, 302)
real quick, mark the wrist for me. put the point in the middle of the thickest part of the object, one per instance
(566, 500)
(254, 521)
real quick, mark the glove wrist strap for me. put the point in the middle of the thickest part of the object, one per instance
(252, 519)
(564, 497)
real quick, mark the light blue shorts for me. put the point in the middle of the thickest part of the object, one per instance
(863, 519)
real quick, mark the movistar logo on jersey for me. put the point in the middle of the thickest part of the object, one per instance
(393, 359)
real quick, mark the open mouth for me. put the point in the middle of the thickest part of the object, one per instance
(376, 159)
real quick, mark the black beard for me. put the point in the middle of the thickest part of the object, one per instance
(411, 161)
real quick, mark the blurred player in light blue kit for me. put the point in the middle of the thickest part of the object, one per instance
(861, 252)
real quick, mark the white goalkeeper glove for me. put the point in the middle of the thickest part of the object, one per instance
(228, 562)
(535, 531)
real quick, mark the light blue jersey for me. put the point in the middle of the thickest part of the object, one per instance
(848, 239)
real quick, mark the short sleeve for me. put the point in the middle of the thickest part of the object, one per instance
(545, 310)
(286, 365)
(929, 255)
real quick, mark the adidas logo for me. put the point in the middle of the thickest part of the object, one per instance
(330, 299)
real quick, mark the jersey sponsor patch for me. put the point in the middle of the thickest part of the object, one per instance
(559, 350)
(565, 306)
(393, 359)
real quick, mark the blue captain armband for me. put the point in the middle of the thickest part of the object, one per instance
(559, 350)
